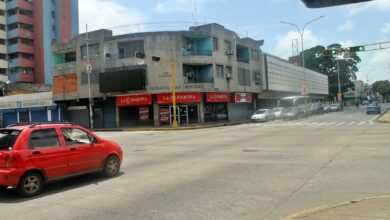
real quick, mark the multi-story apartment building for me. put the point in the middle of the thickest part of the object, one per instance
(31, 26)
(218, 76)
(3, 40)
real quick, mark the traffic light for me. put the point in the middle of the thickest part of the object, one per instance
(357, 49)
(139, 55)
(330, 52)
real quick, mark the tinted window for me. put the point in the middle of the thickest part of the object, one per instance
(44, 138)
(8, 138)
(74, 136)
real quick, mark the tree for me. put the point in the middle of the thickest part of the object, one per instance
(317, 61)
(382, 87)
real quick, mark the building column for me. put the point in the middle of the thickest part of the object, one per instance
(229, 110)
(117, 122)
(156, 115)
(201, 109)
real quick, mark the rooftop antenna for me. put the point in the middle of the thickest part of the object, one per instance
(195, 13)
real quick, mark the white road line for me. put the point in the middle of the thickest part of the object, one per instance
(341, 123)
(362, 123)
(371, 123)
(331, 123)
(351, 123)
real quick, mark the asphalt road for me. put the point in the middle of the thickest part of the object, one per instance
(249, 171)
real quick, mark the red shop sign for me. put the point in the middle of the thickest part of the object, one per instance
(181, 97)
(243, 97)
(218, 97)
(134, 100)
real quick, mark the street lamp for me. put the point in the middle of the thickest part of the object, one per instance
(301, 32)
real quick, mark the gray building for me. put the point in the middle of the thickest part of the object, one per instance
(217, 75)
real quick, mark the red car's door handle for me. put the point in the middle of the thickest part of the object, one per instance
(36, 152)
(72, 149)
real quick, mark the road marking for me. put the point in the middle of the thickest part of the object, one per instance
(362, 123)
(351, 123)
(341, 123)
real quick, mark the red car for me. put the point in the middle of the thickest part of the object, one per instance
(34, 154)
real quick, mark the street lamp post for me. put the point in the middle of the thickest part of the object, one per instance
(89, 72)
(301, 32)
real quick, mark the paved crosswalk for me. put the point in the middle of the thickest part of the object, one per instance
(297, 123)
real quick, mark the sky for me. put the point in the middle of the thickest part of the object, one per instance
(350, 25)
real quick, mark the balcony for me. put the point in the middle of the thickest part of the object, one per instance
(64, 68)
(3, 64)
(22, 77)
(18, 18)
(18, 32)
(3, 49)
(19, 47)
(114, 61)
(22, 62)
(19, 4)
(3, 34)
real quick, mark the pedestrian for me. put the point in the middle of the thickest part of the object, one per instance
(357, 105)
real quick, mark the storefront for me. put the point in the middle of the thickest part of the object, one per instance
(215, 106)
(135, 110)
(29, 108)
(242, 107)
(187, 108)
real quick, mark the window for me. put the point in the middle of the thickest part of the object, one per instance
(220, 71)
(44, 138)
(75, 136)
(228, 71)
(256, 76)
(215, 43)
(228, 46)
(128, 49)
(93, 52)
(255, 54)
(244, 77)
(8, 138)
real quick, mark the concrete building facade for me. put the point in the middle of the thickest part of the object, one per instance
(218, 76)
(30, 28)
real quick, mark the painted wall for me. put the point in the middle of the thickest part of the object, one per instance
(39, 41)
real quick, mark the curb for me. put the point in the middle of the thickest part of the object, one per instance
(322, 208)
(170, 128)
(381, 115)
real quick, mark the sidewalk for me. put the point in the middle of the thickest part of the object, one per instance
(385, 117)
(170, 128)
(369, 208)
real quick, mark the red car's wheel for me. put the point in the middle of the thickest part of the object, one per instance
(111, 166)
(31, 184)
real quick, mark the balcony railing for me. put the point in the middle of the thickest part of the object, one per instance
(192, 52)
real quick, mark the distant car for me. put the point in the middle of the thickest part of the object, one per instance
(293, 113)
(263, 115)
(336, 107)
(326, 108)
(278, 112)
(365, 102)
(32, 155)
(317, 108)
(373, 109)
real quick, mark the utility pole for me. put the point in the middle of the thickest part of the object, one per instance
(338, 79)
(174, 123)
(89, 72)
(301, 32)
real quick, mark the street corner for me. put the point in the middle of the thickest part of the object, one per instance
(367, 208)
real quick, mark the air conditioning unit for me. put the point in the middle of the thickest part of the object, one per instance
(229, 75)
(230, 52)
(190, 74)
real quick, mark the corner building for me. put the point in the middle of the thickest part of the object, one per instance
(217, 75)
(31, 26)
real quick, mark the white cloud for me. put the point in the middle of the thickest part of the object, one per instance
(383, 5)
(386, 28)
(347, 43)
(187, 6)
(284, 47)
(108, 14)
(375, 65)
(347, 26)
